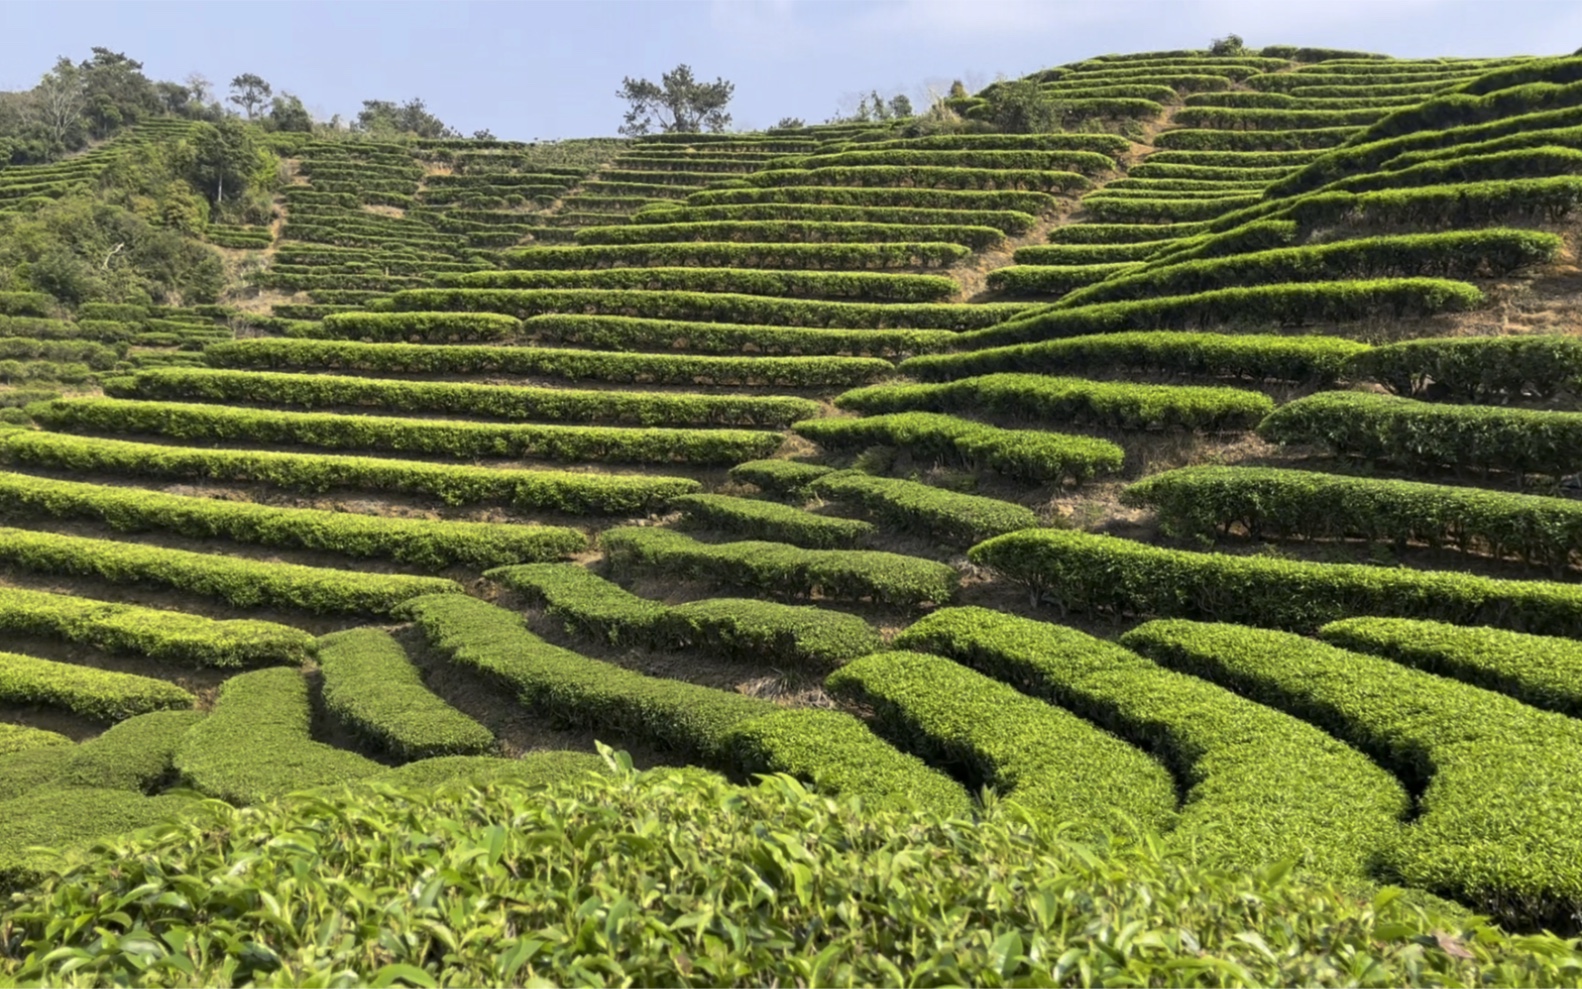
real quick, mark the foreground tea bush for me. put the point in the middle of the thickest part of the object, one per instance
(929, 917)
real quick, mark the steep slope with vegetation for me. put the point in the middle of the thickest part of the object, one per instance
(1179, 447)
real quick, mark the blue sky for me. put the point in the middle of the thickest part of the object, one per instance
(550, 69)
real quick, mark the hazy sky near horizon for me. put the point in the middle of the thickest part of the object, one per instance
(549, 69)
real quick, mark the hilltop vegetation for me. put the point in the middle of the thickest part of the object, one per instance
(1137, 502)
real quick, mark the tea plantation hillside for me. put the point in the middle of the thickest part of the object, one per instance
(1199, 480)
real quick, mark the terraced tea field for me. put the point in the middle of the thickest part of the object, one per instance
(1215, 482)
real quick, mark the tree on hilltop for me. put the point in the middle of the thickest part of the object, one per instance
(411, 117)
(678, 104)
(251, 93)
(286, 113)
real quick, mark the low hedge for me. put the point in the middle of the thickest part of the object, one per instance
(801, 257)
(716, 306)
(729, 730)
(1423, 434)
(372, 689)
(463, 399)
(1038, 159)
(807, 637)
(1082, 572)
(237, 582)
(927, 177)
(1491, 370)
(749, 518)
(1088, 255)
(1113, 405)
(1125, 209)
(950, 517)
(441, 437)
(1458, 205)
(1035, 203)
(257, 744)
(1274, 503)
(420, 327)
(1267, 140)
(628, 333)
(1061, 768)
(575, 365)
(780, 478)
(862, 285)
(137, 754)
(159, 635)
(1542, 670)
(99, 695)
(37, 827)
(1316, 359)
(560, 491)
(975, 236)
(1262, 786)
(17, 303)
(1451, 254)
(424, 543)
(784, 571)
(1512, 163)
(1498, 822)
(1123, 233)
(1297, 304)
(1034, 279)
(1028, 455)
(1006, 221)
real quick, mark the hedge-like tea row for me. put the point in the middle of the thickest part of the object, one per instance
(871, 286)
(1115, 405)
(1006, 221)
(1456, 205)
(1526, 162)
(1451, 254)
(1541, 670)
(134, 755)
(575, 365)
(1255, 140)
(560, 491)
(1079, 571)
(256, 744)
(372, 688)
(1032, 279)
(783, 571)
(1289, 304)
(1237, 161)
(793, 231)
(1088, 254)
(422, 543)
(1057, 765)
(424, 327)
(1498, 823)
(1029, 455)
(237, 582)
(1264, 786)
(806, 257)
(1034, 203)
(1424, 434)
(779, 478)
(1123, 233)
(1282, 504)
(995, 158)
(749, 518)
(99, 695)
(1118, 209)
(722, 307)
(728, 730)
(814, 638)
(927, 177)
(628, 333)
(1316, 359)
(439, 437)
(165, 636)
(950, 517)
(458, 398)
(1251, 118)
(1477, 369)
(1105, 144)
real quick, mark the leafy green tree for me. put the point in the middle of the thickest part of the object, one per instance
(286, 113)
(57, 104)
(221, 159)
(118, 94)
(678, 104)
(790, 123)
(900, 105)
(1229, 46)
(1022, 107)
(251, 93)
(958, 90)
(383, 117)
